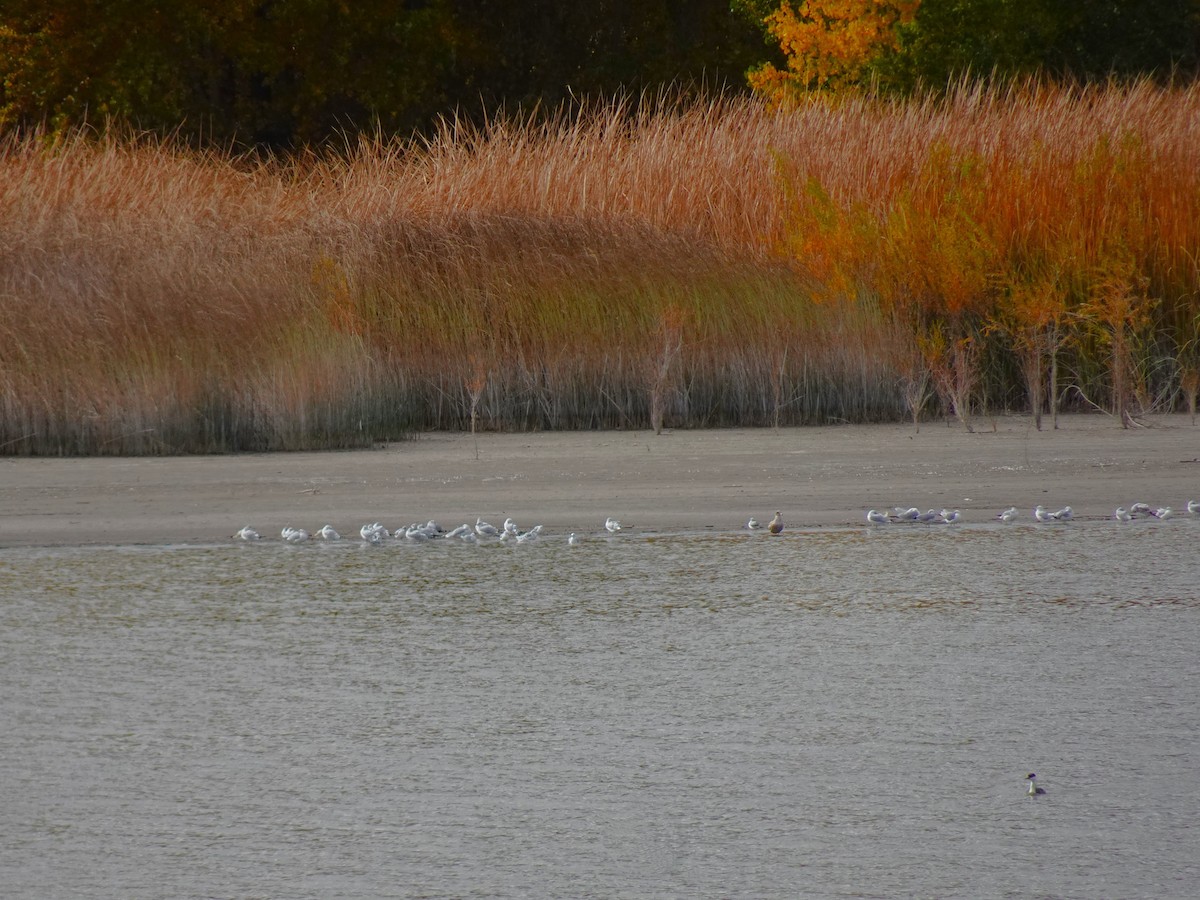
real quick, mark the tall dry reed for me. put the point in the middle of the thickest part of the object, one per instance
(713, 264)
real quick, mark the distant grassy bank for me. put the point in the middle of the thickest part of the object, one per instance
(712, 265)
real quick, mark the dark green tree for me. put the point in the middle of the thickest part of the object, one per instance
(260, 71)
(289, 72)
(1087, 40)
(544, 53)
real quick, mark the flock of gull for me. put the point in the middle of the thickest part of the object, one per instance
(1012, 514)
(377, 533)
(482, 532)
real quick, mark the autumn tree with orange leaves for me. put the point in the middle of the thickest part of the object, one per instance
(829, 43)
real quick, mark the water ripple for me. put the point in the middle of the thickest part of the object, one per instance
(683, 714)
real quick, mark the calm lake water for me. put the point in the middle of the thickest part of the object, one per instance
(840, 713)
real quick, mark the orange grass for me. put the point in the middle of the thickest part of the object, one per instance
(713, 264)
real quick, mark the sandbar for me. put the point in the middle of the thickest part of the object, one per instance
(680, 481)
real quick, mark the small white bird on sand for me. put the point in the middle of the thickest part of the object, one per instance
(294, 535)
(875, 517)
(1121, 514)
(1064, 515)
(510, 527)
(326, 533)
(374, 533)
(1009, 515)
(416, 532)
(1034, 790)
(949, 516)
(430, 529)
(1042, 514)
(926, 517)
(612, 525)
(1163, 512)
(907, 515)
(776, 525)
(1138, 509)
(572, 539)
(530, 535)
(484, 530)
(753, 524)
(462, 529)
(1193, 507)
(246, 533)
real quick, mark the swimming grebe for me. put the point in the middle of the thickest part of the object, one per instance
(1034, 790)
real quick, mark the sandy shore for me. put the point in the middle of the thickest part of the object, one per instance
(685, 480)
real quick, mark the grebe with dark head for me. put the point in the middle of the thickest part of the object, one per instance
(1034, 790)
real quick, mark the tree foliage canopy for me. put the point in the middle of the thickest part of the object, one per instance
(829, 43)
(910, 44)
(290, 72)
(287, 73)
(1086, 40)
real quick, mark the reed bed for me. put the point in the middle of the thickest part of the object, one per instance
(701, 265)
